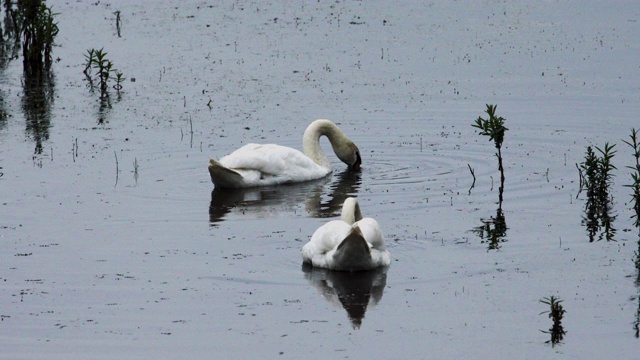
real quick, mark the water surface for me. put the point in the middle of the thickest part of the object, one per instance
(114, 242)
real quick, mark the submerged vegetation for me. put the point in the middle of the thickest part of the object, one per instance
(596, 176)
(28, 25)
(9, 35)
(556, 313)
(493, 231)
(635, 200)
(635, 175)
(98, 61)
(38, 30)
(494, 128)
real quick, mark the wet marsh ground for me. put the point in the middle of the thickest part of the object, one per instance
(148, 261)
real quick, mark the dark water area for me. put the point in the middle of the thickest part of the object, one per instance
(114, 242)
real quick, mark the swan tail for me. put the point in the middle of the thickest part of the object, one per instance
(353, 253)
(223, 177)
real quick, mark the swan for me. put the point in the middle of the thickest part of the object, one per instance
(352, 243)
(270, 164)
(356, 292)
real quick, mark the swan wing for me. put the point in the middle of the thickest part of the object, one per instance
(273, 164)
(372, 233)
(319, 250)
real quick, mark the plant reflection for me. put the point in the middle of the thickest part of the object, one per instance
(636, 324)
(266, 201)
(9, 36)
(37, 101)
(596, 176)
(493, 231)
(9, 47)
(598, 219)
(3, 111)
(103, 110)
(353, 291)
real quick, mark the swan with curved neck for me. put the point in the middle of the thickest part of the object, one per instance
(350, 244)
(271, 164)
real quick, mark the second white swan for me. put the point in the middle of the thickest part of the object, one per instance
(350, 244)
(270, 164)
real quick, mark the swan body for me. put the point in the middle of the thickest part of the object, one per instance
(352, 243)
(270, 164)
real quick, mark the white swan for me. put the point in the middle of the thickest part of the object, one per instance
(349, 244)
(270, 164)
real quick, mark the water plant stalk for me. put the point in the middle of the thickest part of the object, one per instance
(635, 174)
(117, 13)
(556, 313)
(494, 128)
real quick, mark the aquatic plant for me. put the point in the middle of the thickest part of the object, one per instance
(97, 59)
(596, 176)
(117, 14)
(556, 313)
(635, 175)
(119, 79)
(493, 231)
(494, 128)
(473, 173)
(38, 33)
(37, 100)
(135, 169)
(90, 58)
(635, 198)
(636, 324)
(9, 35)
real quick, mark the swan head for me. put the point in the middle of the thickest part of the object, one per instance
(349, 154)
(342, 146)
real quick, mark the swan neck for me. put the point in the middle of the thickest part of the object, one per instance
(351, 211)
(311, 141)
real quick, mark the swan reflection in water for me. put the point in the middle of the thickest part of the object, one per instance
(353, 291)
(265, 201)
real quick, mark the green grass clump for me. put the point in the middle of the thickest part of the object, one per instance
(38, 30)
(97, 60)
(635, 175)
(598, 171)
(596, 176)
(556, 313)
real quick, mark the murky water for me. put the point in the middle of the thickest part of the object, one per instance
(114, 245)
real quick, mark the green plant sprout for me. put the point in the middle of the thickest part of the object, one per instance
(596, 175)
(596, 172)
(556, 313)
(119, 79)
(97, 59)
(494, 128)
(635, 175)
(90, 59)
